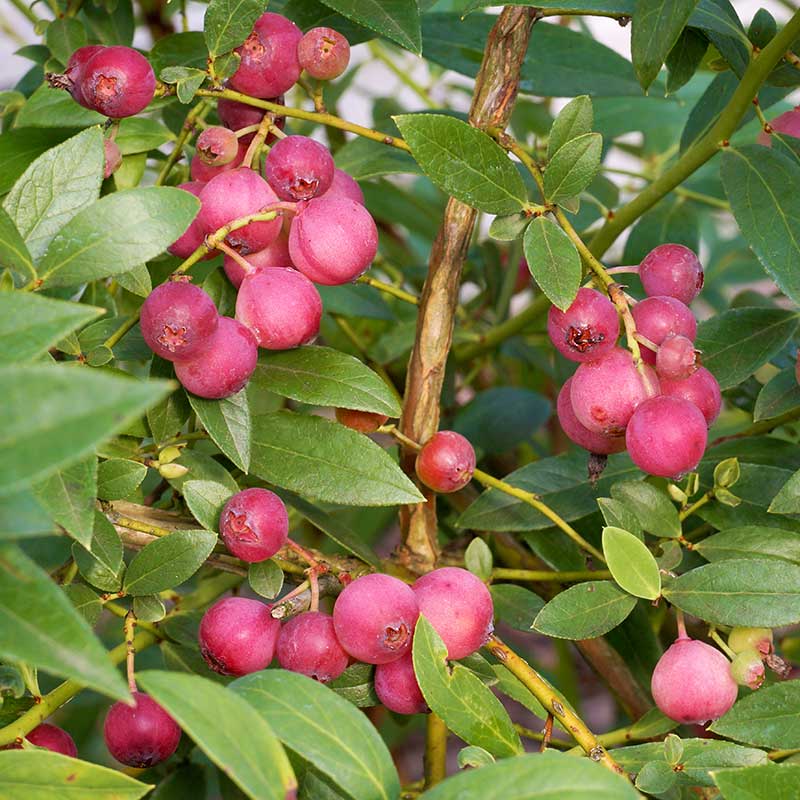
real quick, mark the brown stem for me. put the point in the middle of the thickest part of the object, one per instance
(493, 100)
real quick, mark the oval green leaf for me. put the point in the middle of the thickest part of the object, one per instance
(573, 167)
(118, 478)
(553, 261)
(397, 20)
(206, 499)
(228, 423)
(751, 541)
(633, 566)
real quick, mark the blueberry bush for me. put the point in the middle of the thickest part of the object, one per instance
(451, 453)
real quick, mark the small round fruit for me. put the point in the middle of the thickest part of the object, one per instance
(299, 168)
(280, 306)
(202, 172)
(582, 436)
(606, 392)
(238, 636)
(51, 737)
(458, 606)
(274, 255)
(673, 270)
(225, 366)
(333, 240)
(692, 683)
(74, 71)
(142, 735)
(361, 421)
(587, 330)
(446, 462)
(374, 618)
(760, 639)
(118, 82)
(397, 687)
(236, 115)
(659, 317)
(217, 146)
(676, 358)
(787, 123)
(112, 157)
(323, 53)
(667, 436)
(193, 236)
(700, 388)
(269, 65)
(178, 320)
(254, 525)
(307, 644)
(236, 194)
(747, 669)
(345, 186)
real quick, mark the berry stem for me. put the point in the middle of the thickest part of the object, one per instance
(714, 634)
(129, 628)
(435, 759)
(624, 270)
(237, 257)
(400, 294)
(699, 503)
(681, 623)
(255, 147)
(198, 113)
(538, 736)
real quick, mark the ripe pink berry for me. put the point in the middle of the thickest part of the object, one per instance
(269, 64)
(254, 524)
(307, 644)
(787, 123)
(587, 330)
(217, 146)
(118, 82)
(760, 639)
(53, 738)
(583, 437)
(280, 306)
(333, 240)
(747, 669)
(112, 157)
(676, 358)
(692, 682)
(374, 618)
(299, 168)
(361, 421)
(458, 606)
(236, 115)
(193, 236)
(701, 389)
(143, 735)
(659, 317)
(667, 436)
(236, 194)
(343, 185)
(397, 687)
(606, 392)
(323, 53)
(178, 320)
(238, 636)
(74, 71)
(446, 462)
(225, 366)
(275, 254)
(202, 172)
(673, 270)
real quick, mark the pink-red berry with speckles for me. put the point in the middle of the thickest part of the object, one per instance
(307, 644)
(673, 270)
(578, 433)
(446, 462)
(397, 687)
(117, 81)
(587, 330)
(254, 524)
(323, 53)
(299, 168)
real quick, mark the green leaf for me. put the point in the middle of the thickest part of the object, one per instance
(227, 422)
(54, 415)
(325, 377)
(656, 777)
(86, 602)
(13, 250)
(509, 228)
(141, 134)
(553, 261)
(397, 20)
(363, 158)
(657, 24)
(168, 562)
(738, 341)
(685, 58)
(319, 458)
(575, 119)
(18, 148)
(544, 776)
(633, 566)
(118, 478)
(356, 685)
(780, 394)
(64, 36)
(68, 496)
(464, 162)
(478, 559)
(55, 187)
(573, 167)
(187, 80)
(620, 515)
(30, 323)
(751, 542)
(324, 730)
(767, 718)
(54, 108)
(475, 757)
(515, 605)
(255, 762)
(228, 23)
(39, 625)
(265, 578)
(206, 500)
(101, 564)
(22, 517)
(41, 775)
(670, 220)
(149, 608)
(787, 501)
(117, 233)
(584, 611)
(765, 592)
(768, 782)
(167, 417)
(758, 183)
(460, 698)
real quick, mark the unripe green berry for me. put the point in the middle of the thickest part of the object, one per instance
(172, 471)
(747, 669)
(760, 639)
